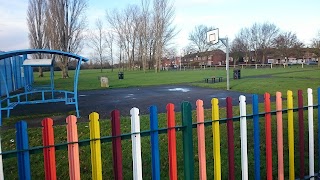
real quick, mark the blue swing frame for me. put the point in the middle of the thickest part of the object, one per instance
(69, 97)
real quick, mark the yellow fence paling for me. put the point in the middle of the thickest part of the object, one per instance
(290, 135)
(95, 146)
(216, 138)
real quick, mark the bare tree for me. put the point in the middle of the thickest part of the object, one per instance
(36, 25)
(315, 42)
(140, 33)
(239, 48)
(97, 41)
(65, 26)
(198, 38)
(262, 37)
(144, 34)
(164, 31)
(287, 44)
(110, 41)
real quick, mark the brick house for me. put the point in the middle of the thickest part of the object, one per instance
(208, 58)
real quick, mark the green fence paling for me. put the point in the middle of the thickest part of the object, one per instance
(74, 145)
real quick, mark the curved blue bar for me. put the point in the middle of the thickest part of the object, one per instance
(45, 51)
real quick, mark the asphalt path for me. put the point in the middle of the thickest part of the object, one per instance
(104, 101)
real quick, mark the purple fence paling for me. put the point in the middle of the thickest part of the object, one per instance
(116, 144)
(230, 139)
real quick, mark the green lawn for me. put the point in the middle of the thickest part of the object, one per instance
(252, 81)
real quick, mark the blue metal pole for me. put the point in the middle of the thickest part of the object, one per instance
(256, 135)
(75, 86)
(154, 143)
(23, 146)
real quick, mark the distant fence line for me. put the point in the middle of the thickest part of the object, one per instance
(23, 150)
(238, 66)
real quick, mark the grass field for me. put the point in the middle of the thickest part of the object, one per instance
(256, 81)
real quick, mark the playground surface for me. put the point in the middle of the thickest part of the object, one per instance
(104, 101)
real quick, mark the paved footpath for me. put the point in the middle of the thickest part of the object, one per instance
(104, 101)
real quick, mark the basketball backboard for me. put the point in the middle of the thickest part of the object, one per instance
(213, 36)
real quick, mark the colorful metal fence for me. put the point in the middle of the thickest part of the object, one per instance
(23, 150)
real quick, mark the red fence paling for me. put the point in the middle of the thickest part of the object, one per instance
(172, 146)
(49, 152)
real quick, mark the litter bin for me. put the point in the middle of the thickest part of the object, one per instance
(104, 82)
(236, 74)
(120, 75)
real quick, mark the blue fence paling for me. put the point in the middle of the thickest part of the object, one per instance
(18, 78)
(255, 110)
(23, 145)
(2, 82)
(18, 64)
(155, 157)
(8, 74)
(14, 74)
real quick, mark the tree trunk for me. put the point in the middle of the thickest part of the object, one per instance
(40, 72)
(64, 67)
(65, 72)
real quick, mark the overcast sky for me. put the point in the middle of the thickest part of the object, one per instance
(298, 16)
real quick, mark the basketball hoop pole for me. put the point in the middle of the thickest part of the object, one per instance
(226, 43)
(213, 37)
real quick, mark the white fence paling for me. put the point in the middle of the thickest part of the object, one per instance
(1, 164)
(136, 144)
(311, 135)
(243, 134)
